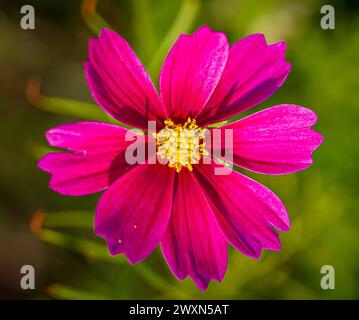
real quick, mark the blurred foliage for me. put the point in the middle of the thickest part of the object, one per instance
(72, 263)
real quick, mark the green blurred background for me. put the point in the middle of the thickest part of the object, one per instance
(54, 233)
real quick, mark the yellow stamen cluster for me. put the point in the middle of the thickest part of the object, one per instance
(181, 144)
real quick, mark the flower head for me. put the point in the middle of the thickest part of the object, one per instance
(182, 205)
(182, 144)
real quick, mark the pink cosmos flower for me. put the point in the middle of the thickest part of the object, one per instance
(192, 213)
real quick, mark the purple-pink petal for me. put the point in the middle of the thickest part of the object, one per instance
(191, 72)
(254, 71)
(76, 175)
(88, 137)
(133, 214)
(276, 140)
(96, 160)
(119, 83)
(246, 211)
(193, 243)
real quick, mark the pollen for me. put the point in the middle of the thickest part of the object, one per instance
(182, 145)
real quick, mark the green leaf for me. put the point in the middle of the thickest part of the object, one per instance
(153, 278)
(77, 109)
(69, 219)
(61, 291)
(93, 20)
(182, 24)
(142, 20)
(218, 124)
(36, 150)
(97, 251)
(85, 247)
(67, 107)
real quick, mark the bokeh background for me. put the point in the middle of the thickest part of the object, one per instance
(42, 85)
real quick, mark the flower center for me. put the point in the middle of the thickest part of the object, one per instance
(181, 145)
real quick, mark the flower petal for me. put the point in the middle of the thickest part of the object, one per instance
(193, 243)
(276, 140)
(191, 71)
(254, 71)
(88, 137)
(98, 157)
(133, 214)
(119, 83)
(245, 210)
